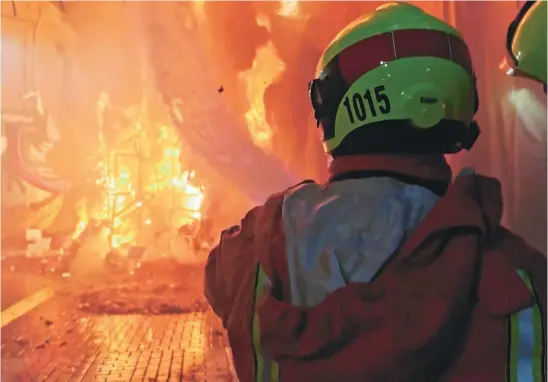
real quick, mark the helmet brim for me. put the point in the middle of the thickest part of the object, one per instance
(506, 65)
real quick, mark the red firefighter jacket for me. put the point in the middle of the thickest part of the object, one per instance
(462, 300)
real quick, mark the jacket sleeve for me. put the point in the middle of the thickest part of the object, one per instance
(229, 266)
(527, 258)
(405, 318)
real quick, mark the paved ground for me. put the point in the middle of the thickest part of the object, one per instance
(58, 342)
(16, 286)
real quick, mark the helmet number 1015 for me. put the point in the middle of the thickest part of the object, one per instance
(356, 108)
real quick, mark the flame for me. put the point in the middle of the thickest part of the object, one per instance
(165, 182)
(289, 9)
(266, 66)
(81, 226)
(198, 7)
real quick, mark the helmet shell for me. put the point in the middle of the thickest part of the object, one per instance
(420, 89)
(528, 43)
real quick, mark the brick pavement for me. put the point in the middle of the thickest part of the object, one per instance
(58, 343)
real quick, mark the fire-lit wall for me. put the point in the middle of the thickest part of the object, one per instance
(36, 53)
(36, 50)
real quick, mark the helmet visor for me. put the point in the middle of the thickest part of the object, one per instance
(323, 97)
(315, 94)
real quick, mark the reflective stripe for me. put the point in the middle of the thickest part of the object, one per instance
(526, 353)
(266, 370)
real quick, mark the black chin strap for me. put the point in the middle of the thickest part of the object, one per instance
(472, 134)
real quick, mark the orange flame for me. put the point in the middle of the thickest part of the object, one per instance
(167, 183)
(266, 67)
(289, 9)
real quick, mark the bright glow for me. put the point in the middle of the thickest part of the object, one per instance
(289, 9)
(266, 67)
(264, 21)
(530, 110)
(167, 188)
(199, 9)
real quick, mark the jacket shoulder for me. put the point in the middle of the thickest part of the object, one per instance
(290, 190)
(518, 252)
(264, 211)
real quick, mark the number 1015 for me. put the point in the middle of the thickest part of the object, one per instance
(358, 104)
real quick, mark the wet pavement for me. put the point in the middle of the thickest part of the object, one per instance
(58, 341)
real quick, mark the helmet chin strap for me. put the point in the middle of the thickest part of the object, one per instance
(472, 134)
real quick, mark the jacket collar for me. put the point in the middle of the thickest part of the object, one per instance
(430, 167)
(430, 171)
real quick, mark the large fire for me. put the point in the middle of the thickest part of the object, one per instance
(266, 67)
(143, 189)
(130, 191)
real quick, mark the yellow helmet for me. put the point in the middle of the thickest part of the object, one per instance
(526, 43)
(388, 80)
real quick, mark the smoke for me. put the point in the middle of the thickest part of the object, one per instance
(184, 74)
(234, 33)
(299, 39)
(231, 35)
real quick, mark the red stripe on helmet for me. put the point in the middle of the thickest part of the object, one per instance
(370, 53)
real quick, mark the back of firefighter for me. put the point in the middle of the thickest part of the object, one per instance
(390, 271)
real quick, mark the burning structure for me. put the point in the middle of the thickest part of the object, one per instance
(128, 183)
(143, 191)
(148, 165)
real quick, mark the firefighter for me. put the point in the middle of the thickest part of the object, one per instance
(389, 272)
(526, 43)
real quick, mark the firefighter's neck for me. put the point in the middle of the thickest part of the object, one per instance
(430, 171)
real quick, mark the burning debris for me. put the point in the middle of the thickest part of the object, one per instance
(163, 292)
(143, 193)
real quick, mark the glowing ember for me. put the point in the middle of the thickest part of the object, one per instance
(266, 67)
(289, 9)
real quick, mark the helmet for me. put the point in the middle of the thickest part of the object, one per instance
(398, 66)
(526, 43)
